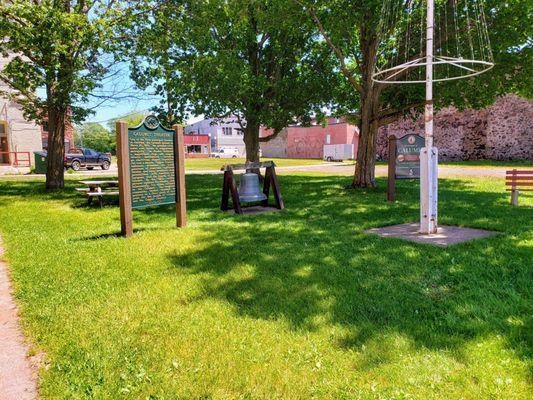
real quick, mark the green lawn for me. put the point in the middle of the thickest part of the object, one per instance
(217, 163)
(298, 304)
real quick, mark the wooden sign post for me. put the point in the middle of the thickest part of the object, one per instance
(124, 194)
(404, 160)
(151, 170)
(391, 182)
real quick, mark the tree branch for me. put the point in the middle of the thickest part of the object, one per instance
(270, 137)
(338, 52)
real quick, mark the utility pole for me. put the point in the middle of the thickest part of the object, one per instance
(429, 154)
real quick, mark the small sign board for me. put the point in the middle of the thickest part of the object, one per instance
(151, 169)
(408, 156)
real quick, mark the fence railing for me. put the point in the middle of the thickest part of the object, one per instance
(16, 158)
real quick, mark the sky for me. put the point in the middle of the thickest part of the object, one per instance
(123, 98)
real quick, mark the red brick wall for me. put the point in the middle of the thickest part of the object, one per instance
(308, 142)
(69, 137)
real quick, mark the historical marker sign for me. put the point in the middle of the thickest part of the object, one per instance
(151, 169)
(152, 175)
(408, 156)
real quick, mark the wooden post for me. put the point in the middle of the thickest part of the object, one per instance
(234, 193)
(266, 185)
(391, 184)
(124, 188)
(225, 192)
(275, 189)
(179, 159)
(514, 196)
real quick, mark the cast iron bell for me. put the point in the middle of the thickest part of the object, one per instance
(249, 190)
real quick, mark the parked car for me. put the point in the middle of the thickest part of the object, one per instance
(225, 153)
(82, 157)
(338, 152)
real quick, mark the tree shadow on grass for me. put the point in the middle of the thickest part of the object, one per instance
(312, 266)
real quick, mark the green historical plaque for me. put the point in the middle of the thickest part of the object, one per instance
(152, 164)
(408, 156)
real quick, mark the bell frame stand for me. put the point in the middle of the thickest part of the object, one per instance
(230, 186)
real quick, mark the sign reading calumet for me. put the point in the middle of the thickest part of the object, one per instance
(408, 156)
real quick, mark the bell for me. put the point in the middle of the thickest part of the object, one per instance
(249, 190)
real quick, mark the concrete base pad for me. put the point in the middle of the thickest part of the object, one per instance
(445, 236)
(254, 210)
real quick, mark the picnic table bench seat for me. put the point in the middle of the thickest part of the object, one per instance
(98, 189)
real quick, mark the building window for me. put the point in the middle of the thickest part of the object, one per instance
(328, 139)
(227, 131)
(240, 132)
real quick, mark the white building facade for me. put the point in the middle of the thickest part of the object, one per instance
(19, 138)
(224, 133)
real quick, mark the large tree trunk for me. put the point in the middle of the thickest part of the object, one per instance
(251, 141)
(366, 152)
(55, 177)
(368, 126)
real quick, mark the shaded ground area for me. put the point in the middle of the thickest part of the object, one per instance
(296, 304)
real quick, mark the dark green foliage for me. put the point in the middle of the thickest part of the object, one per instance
(256, 61)
(95, 136)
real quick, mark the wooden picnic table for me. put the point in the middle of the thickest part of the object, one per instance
(95, 185)
(98, 189)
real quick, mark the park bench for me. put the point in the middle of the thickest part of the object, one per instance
(518, 181)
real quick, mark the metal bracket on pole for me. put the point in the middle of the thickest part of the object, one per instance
(428, 190)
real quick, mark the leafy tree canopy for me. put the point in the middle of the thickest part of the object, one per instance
(351, 29)
(61, 47)
(132, 119)
(95, 136)
(255, 60)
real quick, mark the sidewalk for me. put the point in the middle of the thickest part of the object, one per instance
(329, 168)
(17, 377)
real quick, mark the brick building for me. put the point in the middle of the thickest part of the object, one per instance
(308, 141)
(69, 137)
(197, 145)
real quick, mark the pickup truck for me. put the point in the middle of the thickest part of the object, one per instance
(88, 158)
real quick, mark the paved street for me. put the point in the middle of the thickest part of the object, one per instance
(330, 168)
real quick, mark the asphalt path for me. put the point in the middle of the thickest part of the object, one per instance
(325, 168)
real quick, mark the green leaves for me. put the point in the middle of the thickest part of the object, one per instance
(254, 59)
(95, 136)
(56, 47)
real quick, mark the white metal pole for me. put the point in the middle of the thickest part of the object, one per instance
(428, 155)
(429, 74)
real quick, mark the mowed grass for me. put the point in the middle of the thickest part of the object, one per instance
(214, 164)
(298, 304)
(217, 163)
